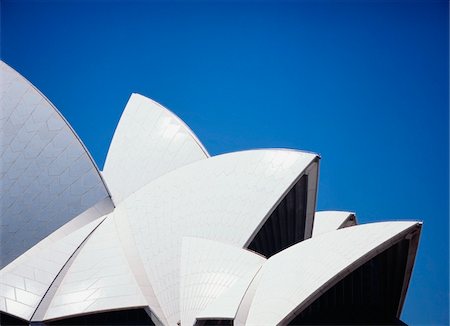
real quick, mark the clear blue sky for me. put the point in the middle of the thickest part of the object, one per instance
(365, 84)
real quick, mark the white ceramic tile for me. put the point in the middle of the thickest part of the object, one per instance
(31, 274)
(209, 270)
(146, 145)
(99, 273)
(223, 198)
(36, 147)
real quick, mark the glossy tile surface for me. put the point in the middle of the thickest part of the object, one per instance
(149, 141)
(47, 177)
(25, 281)
(213, 271)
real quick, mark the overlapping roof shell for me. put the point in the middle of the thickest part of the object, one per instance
(165, 227)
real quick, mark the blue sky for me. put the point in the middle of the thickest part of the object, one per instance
(365, 84)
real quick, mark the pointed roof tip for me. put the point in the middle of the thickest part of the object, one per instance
(136, 94)
(326, 221)
(419, 225)
(180, 121)
(145, 131)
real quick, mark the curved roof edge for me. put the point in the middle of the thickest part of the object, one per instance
(65, 121)
(45, 310)
(149, 141)
(50, 176)
(99, 277)
(326, 221)
(413, 230)
(191, 132)
(38, 268)
(320, 262)
(224, 272)
(244, 306)
(96, 212)
(313, 170)
(43, 305)
(414, 238)
(278, 149)
(134, 260)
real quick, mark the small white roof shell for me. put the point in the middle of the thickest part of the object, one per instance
(24, 282)
(326, 221)
(47, 175)
(209, 270)
(149, 141)
(296, 276)
(98, 279)
(223, 198)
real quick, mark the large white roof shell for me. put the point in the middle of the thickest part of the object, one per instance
(177, 242)
(314, 265)
(47, 176)
(149, 141)
(99, 278)
(224, 198)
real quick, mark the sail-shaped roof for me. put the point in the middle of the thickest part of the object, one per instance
(149, 141)
(189, 239)
(47, 176)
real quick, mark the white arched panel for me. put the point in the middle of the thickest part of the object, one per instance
(47, 176)
(212, 270)
(24, 282)
(326, 221)
(149, 141)
(223, 198)
(98, 279)
(298, 275)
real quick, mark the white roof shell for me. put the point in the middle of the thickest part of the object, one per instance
(149, 141)
(326, 221)
(224, 198)
(100, 278)
(211, 270)
(24, 282)
(311, 267)
(47, 176)
(175, 243)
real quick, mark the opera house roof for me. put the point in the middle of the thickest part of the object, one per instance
(167, 234)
